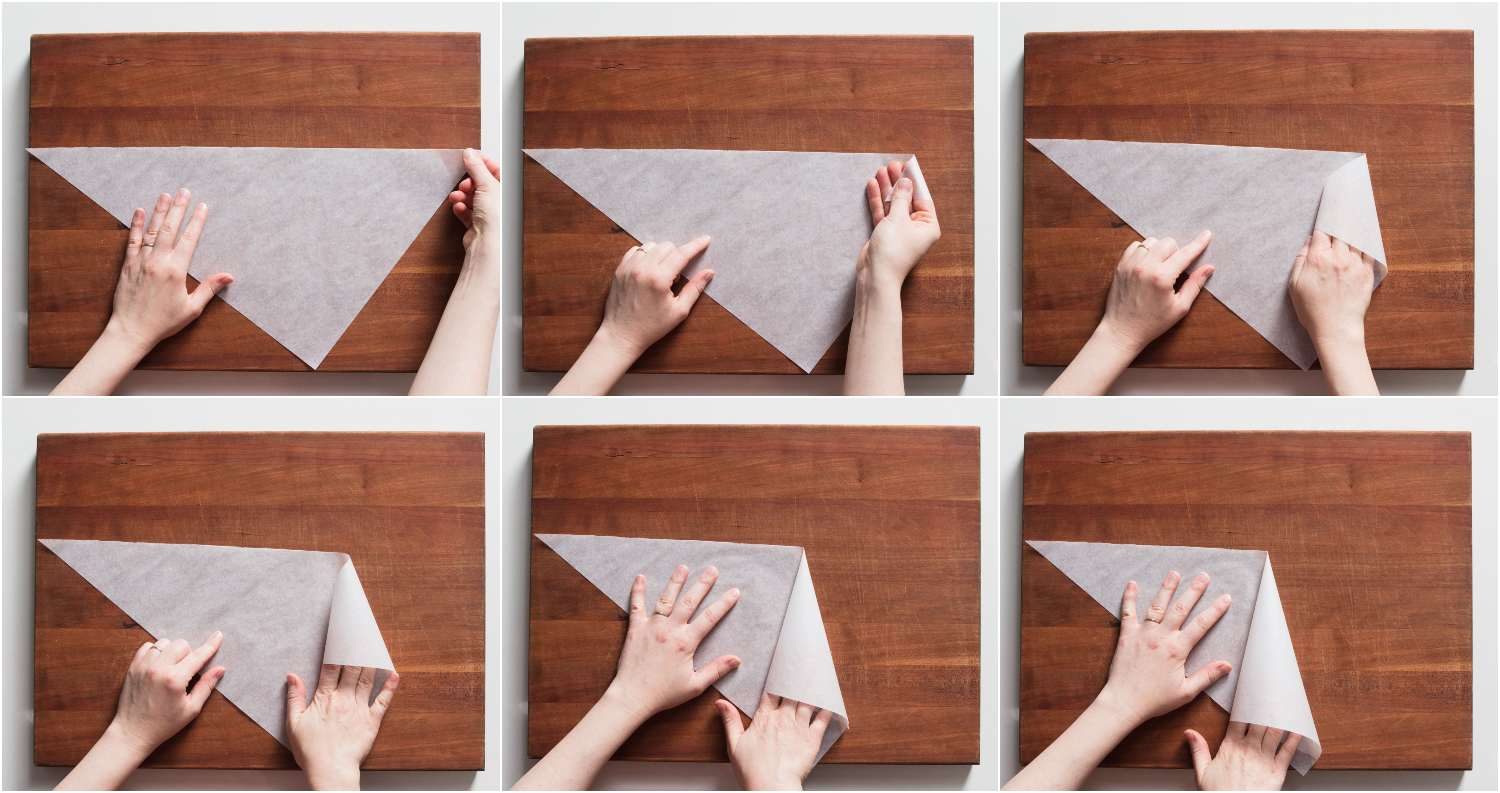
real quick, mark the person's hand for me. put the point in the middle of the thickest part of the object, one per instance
(1144, 301)
(332, 734)
(160, 695)
(476, 202)
(656, 665)
(906, 226)
(642, 307)
(152, 301)
(779, 749)
(1331, 286)
(1252, 757)
(1148, 676)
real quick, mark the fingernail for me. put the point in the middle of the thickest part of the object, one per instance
(734, 663)
(217, 635)
(1205, 234)
(734, 594)
(1224, 599)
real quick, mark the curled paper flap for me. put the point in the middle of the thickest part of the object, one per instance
(776, 628)
(786, 226)
(1264, 685)
(280, 611)
(308, 234)
(1260, 203)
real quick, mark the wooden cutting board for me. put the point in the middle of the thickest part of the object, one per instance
(376, 90)
(1369, 534)
(1405, 98)
(783, 93)
(407, 507)
(889, 517)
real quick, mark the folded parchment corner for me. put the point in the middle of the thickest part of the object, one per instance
(776, 628)
(787, 226)
(1264, 685)
(1260, 203)
(280, 611)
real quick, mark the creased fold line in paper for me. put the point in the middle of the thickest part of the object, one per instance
(1260, 203)
(280, 611)
(787, 226)
(776, 628)
(309, 234)
(1265, 685)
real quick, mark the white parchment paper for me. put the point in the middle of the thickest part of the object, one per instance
(1261, 204)
(787, 226)
(776, 629)
(280, 611)
(308, 234)
(1265, 685)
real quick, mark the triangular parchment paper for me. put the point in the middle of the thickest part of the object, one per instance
(1261, 204)
(1265, 685)
(787, 226)
(280, 611)
(308, 234)
(776, 629)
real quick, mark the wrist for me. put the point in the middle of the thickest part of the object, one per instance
(1340, 341)
(876, 283)
(1116, 708)
(617, 345)
(621, 704)
(126, 745)
(1121, 344)
(333, 777)
(124, 340)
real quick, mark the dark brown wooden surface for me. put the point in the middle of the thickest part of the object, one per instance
(1369, 535)
(375, 90)
(783, 93)
(1405, 98)
(889, 517)
(407, 507)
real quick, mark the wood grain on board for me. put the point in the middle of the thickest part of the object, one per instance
(889, 518)
(1405, 98)
(341, 90)
(407, 507)
(1369, 535)
(781, 93)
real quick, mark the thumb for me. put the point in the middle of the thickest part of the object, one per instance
(719, 667)
(206, 683)
(296, 695)
(1199, 749)
(901, 198)
(733, 726)
(1200, 680)
(693, 289)
(207, 289)
(1194, 284)
(478, 171)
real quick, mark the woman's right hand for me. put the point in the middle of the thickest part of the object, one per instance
(1148, 676)
(332, 734)
(780, 747)
(476, 202)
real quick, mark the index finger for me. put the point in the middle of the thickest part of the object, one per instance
(1198, 627)
(685, 254)
(1185, 255)
(195, 660)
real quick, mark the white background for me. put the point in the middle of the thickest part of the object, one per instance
(1019, 416)
(523, 21)
(24, 418)
(523, 414)
(1018, 19)
(23, 20)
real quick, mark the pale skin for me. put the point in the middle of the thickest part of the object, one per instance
(656, 671)
(1148, 677)
(153, 300)
(648, 297)
(1331, 284)
(167, 684)
(458, 358)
